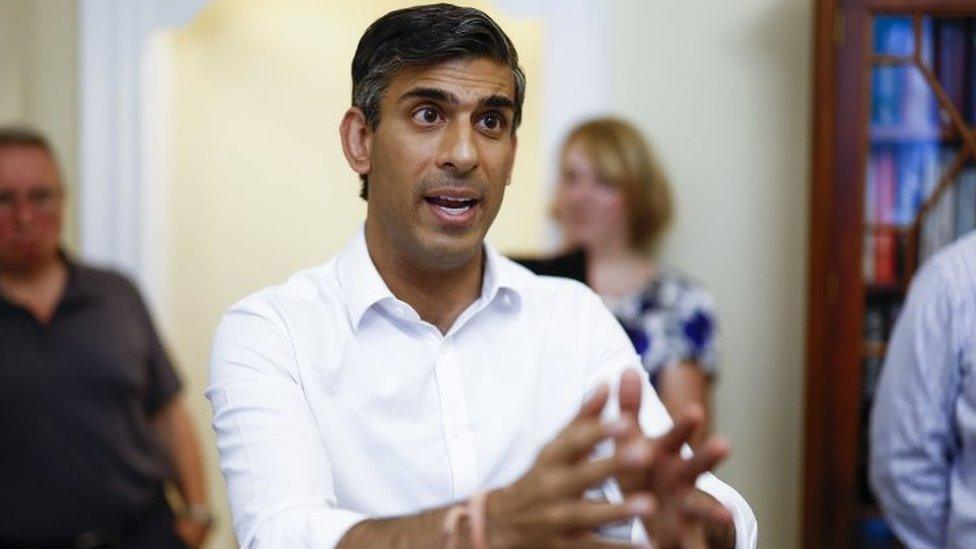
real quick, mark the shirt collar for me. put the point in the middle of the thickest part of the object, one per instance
(362, 286)
(76, 290)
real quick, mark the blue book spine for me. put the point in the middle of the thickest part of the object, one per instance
(952, 60)
(894, 35)
(887, 90)
(911, 170)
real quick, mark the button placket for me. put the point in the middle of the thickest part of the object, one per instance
(454, 415)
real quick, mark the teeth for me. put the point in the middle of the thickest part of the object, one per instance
(455, 211)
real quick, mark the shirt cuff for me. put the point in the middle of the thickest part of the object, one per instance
(304, 528)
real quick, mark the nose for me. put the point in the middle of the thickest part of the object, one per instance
(459, 152)
(578, 192)
(24, 212)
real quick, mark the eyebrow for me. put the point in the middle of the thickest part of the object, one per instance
(443, 96)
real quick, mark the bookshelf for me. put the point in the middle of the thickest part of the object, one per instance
(893, 181)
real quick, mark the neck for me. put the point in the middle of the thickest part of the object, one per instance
(37, 288)
(438, 294)
(31, 273)
(616, 270)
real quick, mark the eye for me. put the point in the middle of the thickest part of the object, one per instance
(427, 116)
(39, 196)
(492, 121)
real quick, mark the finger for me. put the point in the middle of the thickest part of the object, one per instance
(701, 507)
(630, 393)
(629, 399)
(706, 458)
(579, 438)
(637, 456)
(680, 433)
(594, 404)
(580, 515)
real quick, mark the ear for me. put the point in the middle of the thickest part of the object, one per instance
(357, 140)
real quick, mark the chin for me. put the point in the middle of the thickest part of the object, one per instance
(443, 250)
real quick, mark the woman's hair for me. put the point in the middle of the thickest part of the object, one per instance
(622, 157)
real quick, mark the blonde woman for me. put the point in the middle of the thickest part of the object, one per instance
(613, 205)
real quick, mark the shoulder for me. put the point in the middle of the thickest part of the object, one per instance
(102, 281)
(944, 289)
(673, 289)
(951, 270)
(313, 288)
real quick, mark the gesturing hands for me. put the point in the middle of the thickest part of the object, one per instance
(545, 508)
(685, 517)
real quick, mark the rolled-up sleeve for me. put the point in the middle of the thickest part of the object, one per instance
(610, 354)
(277, 469)
(912, 440)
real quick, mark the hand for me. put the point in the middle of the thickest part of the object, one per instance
(191, 532)
(686, 517)
(545, 508)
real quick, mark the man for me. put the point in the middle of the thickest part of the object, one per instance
(91, 422)
(415, 390)
(923, 425)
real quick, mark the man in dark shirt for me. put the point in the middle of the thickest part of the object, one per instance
(91, 425)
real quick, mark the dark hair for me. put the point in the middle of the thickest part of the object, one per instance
(25, 136)
(426, 35)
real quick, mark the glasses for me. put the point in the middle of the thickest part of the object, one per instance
(44, 200)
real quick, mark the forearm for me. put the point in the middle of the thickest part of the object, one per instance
(685, 384)
(425, 529)
(183, 447)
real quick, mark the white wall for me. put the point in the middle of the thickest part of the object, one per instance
(723, 90)
(38, 79)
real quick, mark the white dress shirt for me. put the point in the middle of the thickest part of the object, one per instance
(334, 402)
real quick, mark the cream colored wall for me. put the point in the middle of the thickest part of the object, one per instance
(722, 88)
(259, 187)
(38, 79)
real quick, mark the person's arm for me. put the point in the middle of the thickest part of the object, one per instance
(683, 385)
(175, 426)
(544, 508)
(692, 350)
(714, 508)
(912, 440)
(279, 477)
(695, 508)
(168, 415)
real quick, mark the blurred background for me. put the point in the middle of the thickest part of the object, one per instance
(199, 141)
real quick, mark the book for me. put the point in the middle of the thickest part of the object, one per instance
(909, 187)
(867, 258)
(885, 256)
(887, 87)
(950, 61)
(885, 186)
(871, 189)
(965, 199)
(894, 35)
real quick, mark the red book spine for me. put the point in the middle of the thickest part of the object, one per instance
(885, 256)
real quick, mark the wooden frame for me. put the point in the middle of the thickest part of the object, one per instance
(836, 296)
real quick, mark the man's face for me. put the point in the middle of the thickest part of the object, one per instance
(440, 159)
(30, 207)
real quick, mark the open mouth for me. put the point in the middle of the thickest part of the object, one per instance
(452, 206)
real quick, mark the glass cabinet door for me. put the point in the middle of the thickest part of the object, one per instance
(919, 183)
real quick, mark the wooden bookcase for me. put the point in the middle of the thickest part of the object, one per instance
(850, 145)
